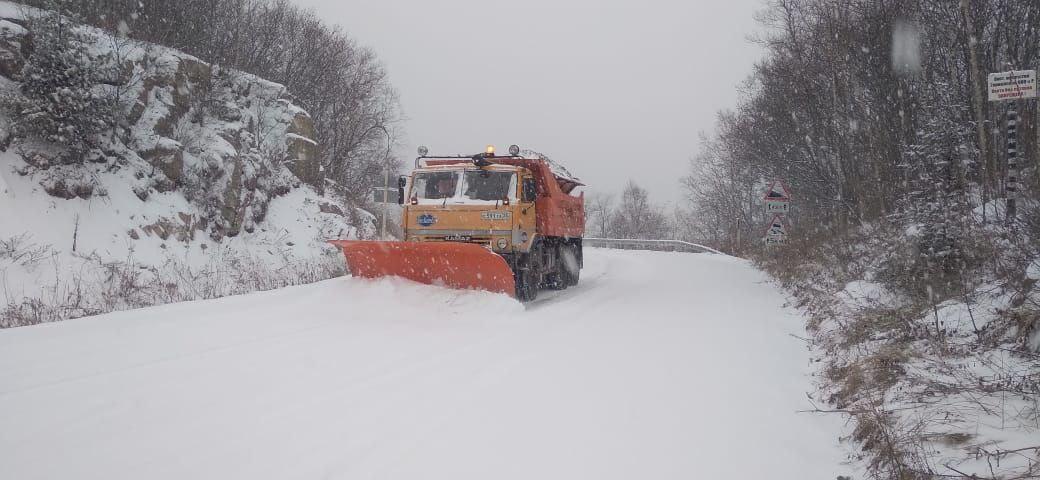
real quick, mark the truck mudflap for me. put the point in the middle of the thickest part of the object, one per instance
(449, 264)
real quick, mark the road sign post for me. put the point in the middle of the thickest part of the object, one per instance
(1012, 152)
(778, 202)
(776, 232)
(1012, 86)
(385, 195)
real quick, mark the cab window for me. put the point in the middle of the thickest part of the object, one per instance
(435, 185)
(489, 186)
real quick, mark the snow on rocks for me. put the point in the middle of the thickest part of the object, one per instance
(188, 191)
(13, 10)
(294, 137)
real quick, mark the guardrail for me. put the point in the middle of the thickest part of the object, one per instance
(656, 245)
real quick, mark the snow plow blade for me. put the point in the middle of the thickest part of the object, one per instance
(455, 265)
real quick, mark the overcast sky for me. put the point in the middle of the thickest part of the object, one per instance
(612, 90)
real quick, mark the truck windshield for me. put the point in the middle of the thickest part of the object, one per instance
(488, 186)
(435, 185)
(477, 187)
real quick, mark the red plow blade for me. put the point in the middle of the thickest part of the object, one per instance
(455, 265)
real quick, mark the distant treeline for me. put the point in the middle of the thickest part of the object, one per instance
(871, 111)
(340, 83)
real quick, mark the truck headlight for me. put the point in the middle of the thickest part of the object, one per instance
(502, 243)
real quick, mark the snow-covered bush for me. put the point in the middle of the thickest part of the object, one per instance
(61, 100)
(99, 285)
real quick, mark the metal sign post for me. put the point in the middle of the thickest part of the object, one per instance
(1012, 86)
(778, 202)
(1012, 165)
(387, 196)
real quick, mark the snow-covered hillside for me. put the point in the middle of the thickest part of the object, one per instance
(659, 365)
(208, 184)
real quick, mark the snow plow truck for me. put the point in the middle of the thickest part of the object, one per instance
(507, 224)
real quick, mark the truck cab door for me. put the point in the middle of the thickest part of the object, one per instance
(526, 218)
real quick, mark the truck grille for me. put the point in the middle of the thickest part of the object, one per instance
(460, 238)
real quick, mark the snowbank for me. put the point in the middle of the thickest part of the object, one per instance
(936, 378)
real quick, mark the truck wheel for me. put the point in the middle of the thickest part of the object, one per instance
(570, 269)
(572, 278)
(526, 286)
(557, 281)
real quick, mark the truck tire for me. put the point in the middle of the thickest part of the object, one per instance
(557, 278)
(570, 271)
(557, 281)
(526, 286)
(572, 278)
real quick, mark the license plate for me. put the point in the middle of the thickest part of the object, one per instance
(495, 215)
(458, 238)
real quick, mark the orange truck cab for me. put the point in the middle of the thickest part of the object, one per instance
(515, 207)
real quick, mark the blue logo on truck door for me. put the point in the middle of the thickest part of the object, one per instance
(426, 219)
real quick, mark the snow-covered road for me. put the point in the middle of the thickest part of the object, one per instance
(659, 365)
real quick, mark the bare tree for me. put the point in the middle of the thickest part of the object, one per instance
(636, 217)
(599, 212)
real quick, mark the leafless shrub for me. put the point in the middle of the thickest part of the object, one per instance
(104, 286)
(20, 250)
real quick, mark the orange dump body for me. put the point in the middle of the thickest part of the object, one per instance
(559, 213)
(455, 265)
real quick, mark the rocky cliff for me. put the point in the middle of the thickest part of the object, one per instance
(202, 169)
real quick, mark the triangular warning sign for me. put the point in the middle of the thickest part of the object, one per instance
(778, 191)
(776, 227)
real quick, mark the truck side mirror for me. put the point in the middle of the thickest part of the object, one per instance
(402, 181)
(530, 192)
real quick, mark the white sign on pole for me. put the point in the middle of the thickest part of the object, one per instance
(776, 234)
(391, 195)
(1013, 85)
(778, 206)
